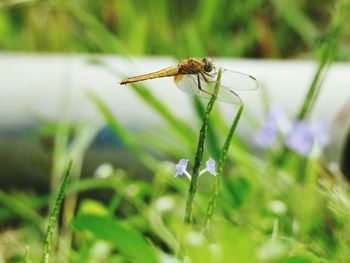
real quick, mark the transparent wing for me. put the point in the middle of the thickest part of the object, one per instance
(192, 84)
(236, 80)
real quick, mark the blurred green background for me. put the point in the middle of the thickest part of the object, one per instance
(241, 28)
(268, 211)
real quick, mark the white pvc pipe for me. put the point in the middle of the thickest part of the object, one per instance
(49, 86)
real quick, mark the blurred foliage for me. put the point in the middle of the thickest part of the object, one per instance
(240, 28)
(293, 211)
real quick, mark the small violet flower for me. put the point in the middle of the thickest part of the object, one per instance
(321, 133)
(267, 135)
(210, 167)
(277, 118)
(301, 138)
(181, 168)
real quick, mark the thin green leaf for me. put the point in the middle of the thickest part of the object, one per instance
(54, 214)
(200, 149)
(181, 128)
(220, 167)
(129, 242)
(122, 133)
(17, 207)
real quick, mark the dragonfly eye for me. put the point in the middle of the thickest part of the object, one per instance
(208, 67)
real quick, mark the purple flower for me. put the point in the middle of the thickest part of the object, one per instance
(301, 138)
(321, 133)
(276, 117)
(276, 120)
(265, 136)
(210, 166)
(181, 167)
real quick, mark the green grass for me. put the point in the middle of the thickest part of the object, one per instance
(252, 28)
(200, 151)
(53, 218)
(129, 242)
(222, 159)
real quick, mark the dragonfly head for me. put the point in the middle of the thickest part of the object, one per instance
(208, 66)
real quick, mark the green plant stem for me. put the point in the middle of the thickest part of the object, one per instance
(199, 155)
(54, 214)
(223, 156)
(328, 50)
(213, 142)
(313, 91)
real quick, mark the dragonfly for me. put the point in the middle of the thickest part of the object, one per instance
(199, 76)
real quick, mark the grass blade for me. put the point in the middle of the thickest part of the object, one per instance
(181, 128)
(199, 155)
(128, 242)
(221, 162)
(328, 51)
(123, 134)
(213, 141)
(21, 209)
(54, 214)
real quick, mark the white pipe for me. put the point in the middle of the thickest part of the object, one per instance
(44, 86)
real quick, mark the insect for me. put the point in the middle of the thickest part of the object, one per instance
(198, 77)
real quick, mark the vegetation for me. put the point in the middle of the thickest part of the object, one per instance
(287, 204)
(254, 28)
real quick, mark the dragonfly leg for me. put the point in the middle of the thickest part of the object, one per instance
(200, 86)
(205, 77)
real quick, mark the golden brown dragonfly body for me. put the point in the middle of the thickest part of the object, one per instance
(188, 66)
(197, 77)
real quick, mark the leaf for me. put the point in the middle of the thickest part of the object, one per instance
(54, 213)
(128, 242)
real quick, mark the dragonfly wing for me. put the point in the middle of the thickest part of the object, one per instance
(191, 83)
(235, 80)
(225, 94)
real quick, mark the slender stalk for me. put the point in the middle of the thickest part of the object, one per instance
(328, 50)
(213, 142)
(199, 155)
(302, 169)
(223, 156)
(54, 214)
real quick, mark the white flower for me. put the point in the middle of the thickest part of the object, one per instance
(181, 167)
(210, 167)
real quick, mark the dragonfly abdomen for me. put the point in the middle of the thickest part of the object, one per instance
(168, 72)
